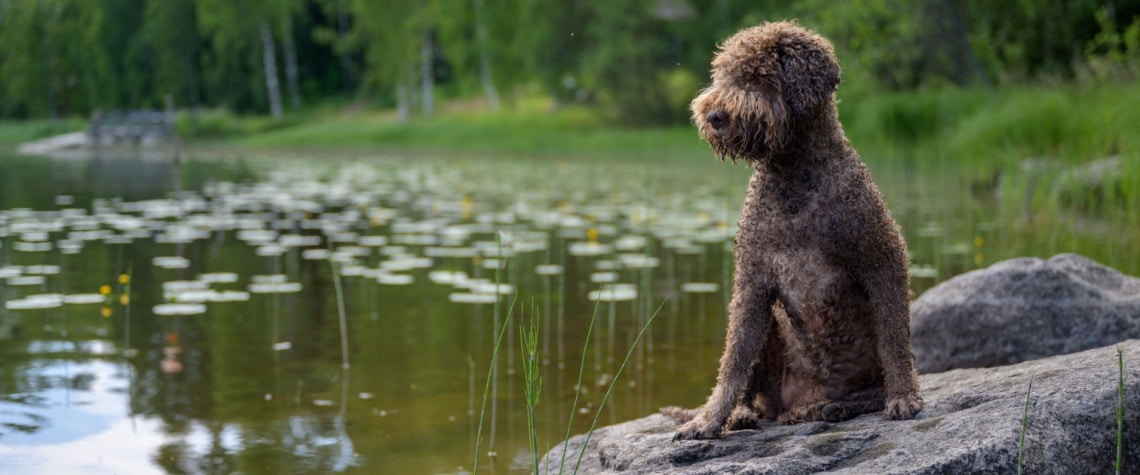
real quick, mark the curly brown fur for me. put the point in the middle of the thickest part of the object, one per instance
(819, 319)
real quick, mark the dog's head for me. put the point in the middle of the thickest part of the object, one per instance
(764, 80)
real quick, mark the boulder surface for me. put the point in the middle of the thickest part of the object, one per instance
(1023, 309)
(972, 423)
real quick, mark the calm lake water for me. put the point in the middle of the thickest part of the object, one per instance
(225, 354)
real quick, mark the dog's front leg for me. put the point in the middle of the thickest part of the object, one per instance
(888, 290)
(750, 314)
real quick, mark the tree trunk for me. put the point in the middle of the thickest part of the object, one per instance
(342, 34)
(964, 55)
(485, 57)
(403, 100)
(190, 69)
(427, 71)
(53, 107)
(291, 81)
(271, 86)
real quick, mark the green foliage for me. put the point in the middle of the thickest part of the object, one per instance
(880, 36)
(388, 32)
(45, 66)
(1073, 125)
(637, 62)
(904, 45)
(1031, 125)
(166, 52)
(626, 71)
(680, 87)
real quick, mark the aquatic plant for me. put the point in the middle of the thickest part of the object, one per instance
(487, 386)
(1120, 410)
(532, 380)
(1024, 428)
(610, 389)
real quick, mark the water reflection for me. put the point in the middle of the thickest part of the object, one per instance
(71, 417)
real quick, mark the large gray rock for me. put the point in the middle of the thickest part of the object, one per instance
(1023, 309)
(971, 424)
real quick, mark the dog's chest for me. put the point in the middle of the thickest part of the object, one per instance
(805, 280)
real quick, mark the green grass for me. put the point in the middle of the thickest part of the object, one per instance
(13, 133)
(1119, 413)
(572, 131)
(992, 129)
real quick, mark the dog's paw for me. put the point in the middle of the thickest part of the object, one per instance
(905, 407)
(698, 429)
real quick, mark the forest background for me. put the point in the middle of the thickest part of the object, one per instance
(969, 73)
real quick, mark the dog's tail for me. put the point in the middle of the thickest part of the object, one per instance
(679, 414)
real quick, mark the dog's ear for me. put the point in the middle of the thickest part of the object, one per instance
(811, 74)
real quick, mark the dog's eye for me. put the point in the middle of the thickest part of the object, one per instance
(762, 85)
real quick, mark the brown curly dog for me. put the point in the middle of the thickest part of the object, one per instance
(819, 323)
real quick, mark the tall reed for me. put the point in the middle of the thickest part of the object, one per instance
(1024, 426)
(492, 372)
(578, 387)
(532, 380)
(343, 319)
(487, 387)
(610, 389)
(1120, 410)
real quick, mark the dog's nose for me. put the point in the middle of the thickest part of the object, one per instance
(717, 119)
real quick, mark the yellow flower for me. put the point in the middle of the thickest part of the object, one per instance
(105, 290)
(124, 279)
(106, 311)
(468, 205)
(978, 258)
(592, 234)
(125, 300)
(979, 241)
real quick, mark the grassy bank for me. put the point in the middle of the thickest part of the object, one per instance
(983, 129)
(980, 130)
(529, 129)
(13, 133)
(987, 128)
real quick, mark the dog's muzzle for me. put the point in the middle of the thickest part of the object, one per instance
(717, 119)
